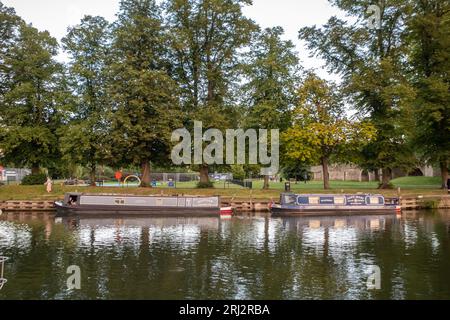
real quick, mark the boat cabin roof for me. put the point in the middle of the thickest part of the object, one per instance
(333, 195)
(70, 194)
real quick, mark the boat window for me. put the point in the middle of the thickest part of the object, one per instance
(120, 201)
(339, 200)
(289, 199)
(314, 200)
(182, 202)
(302, 200)
(326, 200)
(73, 200)
(375, 200)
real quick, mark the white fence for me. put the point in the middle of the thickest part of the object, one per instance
(12, 175)
(188, 177)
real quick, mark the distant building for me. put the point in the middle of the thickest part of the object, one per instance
(348, 172)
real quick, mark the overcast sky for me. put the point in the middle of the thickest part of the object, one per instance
(56, 15)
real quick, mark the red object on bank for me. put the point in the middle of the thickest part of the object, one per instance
(118, 175)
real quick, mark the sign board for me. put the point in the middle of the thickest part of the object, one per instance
(356, 200)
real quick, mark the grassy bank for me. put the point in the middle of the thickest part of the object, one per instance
(408, 185)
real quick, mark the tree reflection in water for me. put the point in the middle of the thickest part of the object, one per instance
(244, 258)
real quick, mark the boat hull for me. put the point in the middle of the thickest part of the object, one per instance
(97, 210)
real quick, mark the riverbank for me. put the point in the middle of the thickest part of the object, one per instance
(410, 187)
(29, 198)
(39, 193)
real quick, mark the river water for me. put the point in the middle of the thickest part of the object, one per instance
(248, 257)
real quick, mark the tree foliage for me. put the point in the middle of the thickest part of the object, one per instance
(321, 131)
(206, 36)
(429, 40)
(372, 65)
(271, 73)
(32, 95)
(145, 104)
(164, 65)
(85, 140)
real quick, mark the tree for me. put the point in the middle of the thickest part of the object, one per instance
(271, 71)
(206, 36)
(371, 63)
(429, 53)
(297, 170)
(321, 131)
(31, 99)
(9, 32)
(84, 141)
(145, 104)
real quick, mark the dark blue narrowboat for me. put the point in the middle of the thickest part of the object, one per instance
(323, 204)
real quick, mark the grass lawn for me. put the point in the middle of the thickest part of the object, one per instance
(408, 185)
(418, 182)
(404, 183)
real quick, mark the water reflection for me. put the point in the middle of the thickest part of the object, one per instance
(244, 258)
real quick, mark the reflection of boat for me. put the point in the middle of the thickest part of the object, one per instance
(337, 222)
(2, 279)
(205, 223)
(310, 204)
(95, 204)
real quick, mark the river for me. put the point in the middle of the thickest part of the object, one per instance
(247, 257)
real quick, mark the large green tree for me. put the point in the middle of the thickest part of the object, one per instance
(206, 38)
(145, 104)
(84, 140)
(271, 73)
(372, 65)
(9, 32)
(429, 40)
(31, 97)
(321, 131)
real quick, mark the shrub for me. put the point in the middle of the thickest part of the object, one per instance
(430, 204)
(34, 179)
(205, 185)
(238, 172)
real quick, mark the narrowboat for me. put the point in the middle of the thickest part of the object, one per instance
(321, 204)
(110, 204)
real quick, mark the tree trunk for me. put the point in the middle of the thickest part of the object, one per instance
(204, 174)
(377, 175)
(93, 175)
(326, 174)
(444, 173)
(146, 178)
(386, 178)
(266, 183)
(35, 169)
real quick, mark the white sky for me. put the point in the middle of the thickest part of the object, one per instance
(56, 15)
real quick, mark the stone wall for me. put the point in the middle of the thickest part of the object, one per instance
(340, 172)
(343, 173)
